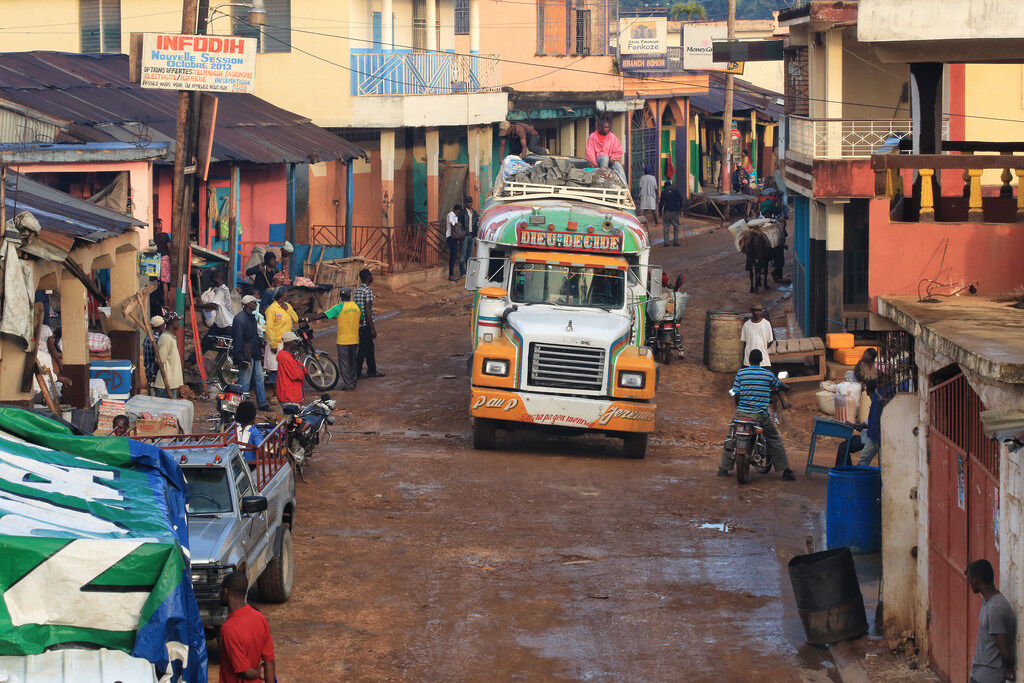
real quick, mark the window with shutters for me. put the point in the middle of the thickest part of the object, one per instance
(462, 17)
(419, 25)
(99, 24)
(276, 36)
(575, 27)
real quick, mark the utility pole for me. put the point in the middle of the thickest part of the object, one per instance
(184, 154)
(727, 109)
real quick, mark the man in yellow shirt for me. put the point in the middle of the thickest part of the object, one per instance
(167, 350)
(280, 318)
(348, 314)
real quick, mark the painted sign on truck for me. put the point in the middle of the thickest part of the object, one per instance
(208, 63)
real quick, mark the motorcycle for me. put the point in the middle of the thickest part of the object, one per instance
(306, 426)
(322, 371)
(228, 401)
(663, 316)
(749, 446)
(223, 367)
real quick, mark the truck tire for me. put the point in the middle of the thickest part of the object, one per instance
(484, 436)
(635, 445)
(275, 583)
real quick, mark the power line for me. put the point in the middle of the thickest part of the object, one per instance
(76, 21)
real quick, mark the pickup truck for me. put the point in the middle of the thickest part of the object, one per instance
(240, 515)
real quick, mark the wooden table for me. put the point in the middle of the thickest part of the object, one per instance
(722, 204)
(783, 349)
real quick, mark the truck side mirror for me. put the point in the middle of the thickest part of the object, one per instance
(472, 274)
(654, 281)
(253, 504)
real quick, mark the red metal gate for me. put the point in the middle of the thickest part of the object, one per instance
(963, 502)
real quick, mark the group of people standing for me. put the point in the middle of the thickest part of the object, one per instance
(462, 225)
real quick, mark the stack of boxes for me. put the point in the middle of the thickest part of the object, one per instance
(845, 353)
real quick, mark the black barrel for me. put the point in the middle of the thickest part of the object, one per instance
(828, 596)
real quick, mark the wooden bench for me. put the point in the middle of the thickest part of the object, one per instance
(784, 349)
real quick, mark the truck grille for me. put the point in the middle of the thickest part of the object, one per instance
(206, 580)
(566, 367)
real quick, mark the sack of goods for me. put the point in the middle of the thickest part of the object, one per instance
(848, 399)
(670, 305)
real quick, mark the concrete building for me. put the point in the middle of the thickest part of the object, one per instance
(942, 274)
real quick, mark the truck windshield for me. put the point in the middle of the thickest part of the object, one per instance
(544, 283)
(208, 490)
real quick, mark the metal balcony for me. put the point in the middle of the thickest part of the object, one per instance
(842, 138)
(423, 73)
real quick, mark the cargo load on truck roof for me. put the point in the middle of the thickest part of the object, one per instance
(563, 177)
(95, 541)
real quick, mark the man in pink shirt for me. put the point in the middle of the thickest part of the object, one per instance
(604, 149)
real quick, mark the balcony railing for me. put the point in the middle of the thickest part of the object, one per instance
(919, 186)
(841, 138)
(423, 73)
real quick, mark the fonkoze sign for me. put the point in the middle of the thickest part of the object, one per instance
(208, 63)
(643, 35)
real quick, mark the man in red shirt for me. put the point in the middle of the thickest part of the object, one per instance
(290, 372)
(245, 641)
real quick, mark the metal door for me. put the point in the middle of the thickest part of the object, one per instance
(963, 502)
(643, 148)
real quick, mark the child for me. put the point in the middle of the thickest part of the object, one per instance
(245, 431)
(121, 426)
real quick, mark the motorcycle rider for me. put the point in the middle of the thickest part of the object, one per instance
(752, 389)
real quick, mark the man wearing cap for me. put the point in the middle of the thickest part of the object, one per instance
(247, 351)
(170, 359)
(348, 314)
(757, 334)
(290, 372)
(525, 134)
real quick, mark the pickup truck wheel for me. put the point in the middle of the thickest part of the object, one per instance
(484, 436)
(275, 583)
(635, 445)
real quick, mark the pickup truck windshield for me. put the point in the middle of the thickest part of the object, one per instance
(208, 490)
(542, 283)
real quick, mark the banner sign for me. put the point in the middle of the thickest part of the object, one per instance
(94, 539)
(569, 241)
(747, 51)
(635, 63)
(643, 35)
(208, 63)
(698, 48)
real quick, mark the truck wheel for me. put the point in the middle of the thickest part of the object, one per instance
(635, 445)
(484, 436)
(275, 583)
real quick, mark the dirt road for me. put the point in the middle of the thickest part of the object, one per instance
(418, 558)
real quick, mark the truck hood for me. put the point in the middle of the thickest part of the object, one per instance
(570, 326)
(208, 537)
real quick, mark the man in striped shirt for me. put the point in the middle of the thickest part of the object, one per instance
(753, 391)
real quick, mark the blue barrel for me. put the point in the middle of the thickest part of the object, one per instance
(854, 509)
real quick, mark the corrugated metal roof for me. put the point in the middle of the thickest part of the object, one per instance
(92, 94)
(68, 217)
(746, 97)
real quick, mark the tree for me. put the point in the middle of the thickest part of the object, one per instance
(689, 9)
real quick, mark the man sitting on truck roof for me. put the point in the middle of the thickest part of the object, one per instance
(604, 149)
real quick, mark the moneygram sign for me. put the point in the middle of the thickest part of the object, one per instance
(208, 63)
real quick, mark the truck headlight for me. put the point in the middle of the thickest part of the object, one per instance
(498, 368)
(632, 380)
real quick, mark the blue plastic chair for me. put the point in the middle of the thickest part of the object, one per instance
(824, 426)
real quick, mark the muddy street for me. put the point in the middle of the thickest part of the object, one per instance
(419, 558)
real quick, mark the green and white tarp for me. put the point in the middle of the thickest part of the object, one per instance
(94, 548)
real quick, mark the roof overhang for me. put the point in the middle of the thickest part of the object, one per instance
(74, 153)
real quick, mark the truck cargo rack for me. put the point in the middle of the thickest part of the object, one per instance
(271, 454)
(614, 197)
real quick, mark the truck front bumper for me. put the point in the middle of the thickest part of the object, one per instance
(563, 411)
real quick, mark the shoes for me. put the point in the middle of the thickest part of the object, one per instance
(376, 374)
(722, 472)
(788, 475)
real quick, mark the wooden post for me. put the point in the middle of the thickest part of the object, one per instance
(233, 226)
(974, 210)
(1019, 172)
(927, 200)
(730, 32)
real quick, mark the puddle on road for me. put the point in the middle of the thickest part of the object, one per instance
(717, 526)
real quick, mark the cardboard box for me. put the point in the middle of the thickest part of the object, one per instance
(145, 427)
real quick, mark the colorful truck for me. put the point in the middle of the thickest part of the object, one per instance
(562, 278)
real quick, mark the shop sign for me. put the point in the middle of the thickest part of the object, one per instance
(191, 62)
(643, 35)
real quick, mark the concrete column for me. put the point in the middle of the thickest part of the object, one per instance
(433, 139)
(486, 134)
(834, 91)
(431, 25)
(474, 26)
(473, 179)
(835, 226)
(387, 177)
(75, 336)
(387, 26)
(124, 282)
(926, 107)
(567, 138)
(582, 133)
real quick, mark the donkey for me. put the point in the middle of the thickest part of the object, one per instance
(758, 250)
